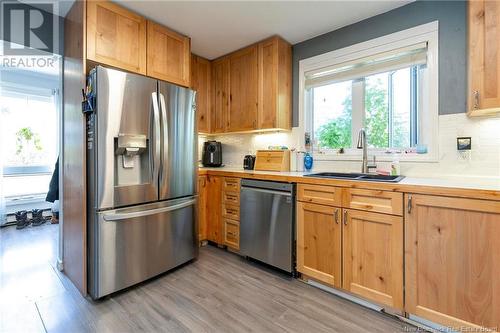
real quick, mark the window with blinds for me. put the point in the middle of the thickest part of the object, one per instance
(29, 130)
(381, 92)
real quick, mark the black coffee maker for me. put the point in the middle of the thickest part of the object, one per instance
(212, 154)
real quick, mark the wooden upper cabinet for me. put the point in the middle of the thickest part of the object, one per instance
(220, 95)
(252, 88)
(169, 55)
(275, 84)
(452, 261)
(373, 256)
(484, 57)
(243, 83)
(201, 74)
(319, 242)
(116, 36)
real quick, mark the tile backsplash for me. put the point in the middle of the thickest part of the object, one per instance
(484, 159)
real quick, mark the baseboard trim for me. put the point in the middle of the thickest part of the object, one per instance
(344, 295)
(59, 265)
(421, 323)
(428, 325)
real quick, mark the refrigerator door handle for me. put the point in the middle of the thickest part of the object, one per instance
(163, 108)
(164, 153)
(156, 138)
(125, 216)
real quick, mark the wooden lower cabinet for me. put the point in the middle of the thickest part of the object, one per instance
(214, 210)
(231, 212)
(219, 210)
(452, 260)
(319, 242)
(373, 256)
(232, 233)
(202, 208)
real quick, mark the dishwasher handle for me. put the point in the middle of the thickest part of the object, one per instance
(262, 190)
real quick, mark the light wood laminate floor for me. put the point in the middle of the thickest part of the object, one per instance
(220, 292)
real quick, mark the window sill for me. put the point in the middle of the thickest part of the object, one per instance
(380, 157)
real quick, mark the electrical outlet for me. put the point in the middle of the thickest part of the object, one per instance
(464, 143)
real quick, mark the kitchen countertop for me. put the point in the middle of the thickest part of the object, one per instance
(468, 187)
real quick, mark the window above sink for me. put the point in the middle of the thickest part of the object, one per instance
(388, 85)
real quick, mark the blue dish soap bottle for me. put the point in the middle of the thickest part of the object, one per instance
(308, 162)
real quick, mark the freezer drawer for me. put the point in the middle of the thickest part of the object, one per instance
(267, 223)
(134, 244)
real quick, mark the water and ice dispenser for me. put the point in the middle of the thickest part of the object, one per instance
(132, 159)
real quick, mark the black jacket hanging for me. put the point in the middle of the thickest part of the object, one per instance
(53, 193)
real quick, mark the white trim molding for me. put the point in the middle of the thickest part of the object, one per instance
(428, 122)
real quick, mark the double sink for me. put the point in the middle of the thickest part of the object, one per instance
(357, 176)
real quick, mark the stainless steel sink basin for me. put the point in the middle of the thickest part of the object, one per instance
(357, 176)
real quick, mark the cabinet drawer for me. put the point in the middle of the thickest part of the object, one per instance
(374, 201)
(231, 184)
(231, 211)
(232, 198)
(325, 195)
(232, 233)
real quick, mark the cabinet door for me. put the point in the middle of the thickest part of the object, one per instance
(116, 36)
(201, 82)
(243, 98)
(373, 256)
(202, 208)
(318, 242)
(220, 107)
(169, 55)
(484, 56)
(268, 88)
(275, 84)
(453, 261)
(214, 209)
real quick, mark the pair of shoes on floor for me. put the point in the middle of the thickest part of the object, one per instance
(22, 220)
(37, 217)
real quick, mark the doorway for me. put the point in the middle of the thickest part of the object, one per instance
(30, 145)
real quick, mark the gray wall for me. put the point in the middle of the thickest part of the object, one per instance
(452, 17)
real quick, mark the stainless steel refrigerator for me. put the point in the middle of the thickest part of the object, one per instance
(142, 171)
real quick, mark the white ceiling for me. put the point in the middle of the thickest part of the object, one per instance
(219, 27)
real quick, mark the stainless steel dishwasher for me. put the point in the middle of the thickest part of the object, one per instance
(267, 222)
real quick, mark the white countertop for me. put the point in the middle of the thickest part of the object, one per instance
(465, 182)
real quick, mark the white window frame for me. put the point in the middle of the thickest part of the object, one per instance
(429, 117)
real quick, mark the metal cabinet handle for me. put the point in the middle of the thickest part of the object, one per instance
(475, 93)
(345, 217)
(337, 216)
(410, 203)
